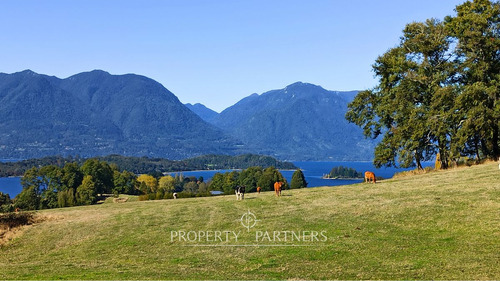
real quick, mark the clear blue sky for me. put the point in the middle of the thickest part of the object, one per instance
(210, 51)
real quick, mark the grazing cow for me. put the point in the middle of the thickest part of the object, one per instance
(175, 195)
(240, 192)
(277, 188)
(258, 189)
(370, 176)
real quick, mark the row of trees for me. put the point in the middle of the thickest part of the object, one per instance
(254, 177)
(72, 185)
(159, 186)
(162, 187)
(438, 91)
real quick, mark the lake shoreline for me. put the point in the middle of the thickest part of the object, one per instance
(327, 178)
(314, 172)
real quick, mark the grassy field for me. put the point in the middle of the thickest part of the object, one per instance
(441, 225)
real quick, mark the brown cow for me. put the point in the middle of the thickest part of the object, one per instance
(277, 188)
(258, 189)
(370, 176)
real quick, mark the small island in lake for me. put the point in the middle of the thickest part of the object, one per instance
(342, 172)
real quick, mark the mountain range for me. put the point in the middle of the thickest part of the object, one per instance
(95, 113)
(302, 121)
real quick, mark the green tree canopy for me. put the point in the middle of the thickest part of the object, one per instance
(250, 178)
(124, 182)
(87, 191)
(28, 199)
(102, 175)
(269, 176)
(5, 202)
(438, 91)
(72, 175)
(4, 198)
(230, 182)
(298, 179)
(149, 181)
(344, 172)
(476, 31)
(217, 182)
(166, 184)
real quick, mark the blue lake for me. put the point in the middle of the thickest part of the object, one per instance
(313, 172)
(11, 186)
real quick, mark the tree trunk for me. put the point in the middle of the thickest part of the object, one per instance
(443, 155)
(477, 152)
(443, 158)
(496, 149)
(417, 160)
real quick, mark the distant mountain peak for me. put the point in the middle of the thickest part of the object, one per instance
(301, 86)
(298, 83)
(96, 73)
(202, 111)
(302, 121)
(28, 72)
(99, 72)
(196, 104)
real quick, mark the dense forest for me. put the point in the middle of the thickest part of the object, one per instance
(145, 165)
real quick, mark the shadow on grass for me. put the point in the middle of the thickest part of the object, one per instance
(11, 220)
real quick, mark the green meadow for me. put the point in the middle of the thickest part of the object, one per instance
(439, 225)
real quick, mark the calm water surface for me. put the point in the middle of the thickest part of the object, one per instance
(11, 186)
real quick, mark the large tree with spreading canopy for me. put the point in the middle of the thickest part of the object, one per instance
(438, 91)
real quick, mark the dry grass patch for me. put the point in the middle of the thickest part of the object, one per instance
(12, 225)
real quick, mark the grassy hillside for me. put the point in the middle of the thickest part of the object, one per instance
(443, 225)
